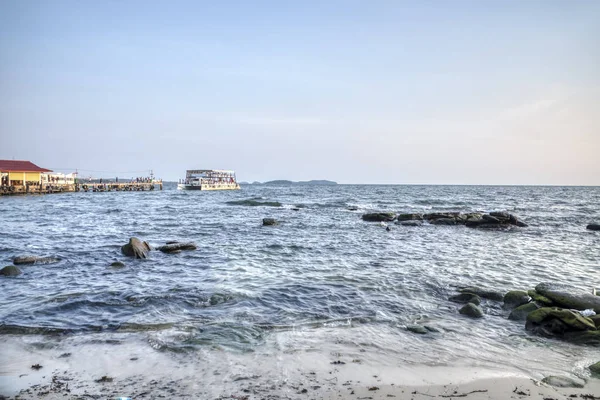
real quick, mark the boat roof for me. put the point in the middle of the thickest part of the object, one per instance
(202, 171)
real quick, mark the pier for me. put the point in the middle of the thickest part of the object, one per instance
(92, 187)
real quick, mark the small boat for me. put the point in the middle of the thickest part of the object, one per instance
(208, 179)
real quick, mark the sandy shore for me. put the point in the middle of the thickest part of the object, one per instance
(111, 369)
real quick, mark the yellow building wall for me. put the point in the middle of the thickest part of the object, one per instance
(29, 176)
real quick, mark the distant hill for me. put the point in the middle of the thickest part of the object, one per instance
(283, 182)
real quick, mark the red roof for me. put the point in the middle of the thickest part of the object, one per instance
(20, 166)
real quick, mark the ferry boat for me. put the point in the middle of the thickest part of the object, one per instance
(208, 179)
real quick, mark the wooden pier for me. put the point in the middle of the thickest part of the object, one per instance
(82, 187)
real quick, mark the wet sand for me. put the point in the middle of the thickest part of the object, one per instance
(122, 368)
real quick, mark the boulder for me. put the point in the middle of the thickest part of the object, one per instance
(483, 292)
(417, 329)
(595, 369)
(515, 298)
(471, 310)
(269, 221)
(538, 298)
(410, 217)
(378, 217)
(596, 320)
(464, 298)
(24, 260)
(443, 221)
(136, 248)
(585, 338)
(520, 313)
(176, 247)
(557, 321)
(410, 223)
(490, 219)
(10, 270)
(563, 382)
(567, 297)
(507, 218)
(438, 215)
(593, 227)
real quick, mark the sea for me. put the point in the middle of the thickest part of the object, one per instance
(268, 303)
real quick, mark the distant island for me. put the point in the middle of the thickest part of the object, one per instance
(283, 182)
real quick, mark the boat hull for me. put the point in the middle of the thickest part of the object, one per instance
(209, 187)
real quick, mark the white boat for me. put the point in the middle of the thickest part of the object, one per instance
(208, 179)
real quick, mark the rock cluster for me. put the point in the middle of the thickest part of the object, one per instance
(493, 220)
(136, 248)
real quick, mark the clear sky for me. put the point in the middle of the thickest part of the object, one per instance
(463, 92)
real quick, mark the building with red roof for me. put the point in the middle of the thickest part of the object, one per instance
(18, 172)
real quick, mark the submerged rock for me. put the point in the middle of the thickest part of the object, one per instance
(117, 264)
(10, 270)
(556, 321)
(379, 217)
(483, 292)
(595, 369)
(136, 248)
(563, 382)
(269, 221)
(516, 298)
(23, 260)
(417, 329)
(567, 297)
(593, 227)
(520, 313)
(176, 247)
(410, 217)
(471, 310)
(464, 298)
(443, 221)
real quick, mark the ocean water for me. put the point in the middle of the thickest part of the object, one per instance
(321, 279)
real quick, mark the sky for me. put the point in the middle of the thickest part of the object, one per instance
(390, 92)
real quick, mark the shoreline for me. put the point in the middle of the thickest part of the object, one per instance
(112, 369)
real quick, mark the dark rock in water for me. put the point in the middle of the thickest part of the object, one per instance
(520, 313)
(464, 298)
(587, 338)
(117, 264)
(567, 297)
(500, 215)
(172, 242)
(295, 209)
(10, 270)
(432, 328)
(417, 329)
(593, 227)
(563, 382)
(410, 217)
(516, 298)
(443, 221)
(352, 208)
(176, 247)
(378, 217)
(23, 260)
(596, 320)
(538, 298)
(471, 310)
(490, 219)
(269, 221)
(482, 292)
(410, 223)
(439, 215)
(556, 321)
(136, 248)
(595, 369)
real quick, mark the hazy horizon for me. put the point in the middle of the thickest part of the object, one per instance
(385, 92)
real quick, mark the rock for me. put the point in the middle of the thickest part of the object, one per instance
(417, 329)
(378, 217)
(10, 270)
(556, 321)
(269, 221)
(117, 264)
(596, 320)
(586, 338)
(491, 219)
(595, 369)
(471, 310)
(567, 297)
(176, 247)
(433, 216)
(516, 298)
(410, 223)
(295, 209)
(352, 208)
(563, 382)
(410, 217)
(136, 248)
(23, 260)
(432, 328)
(482, 292)
(593, 227)
(507, 218)
(538, 298)
(443, 221)
(520, 313)
(464, 298)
